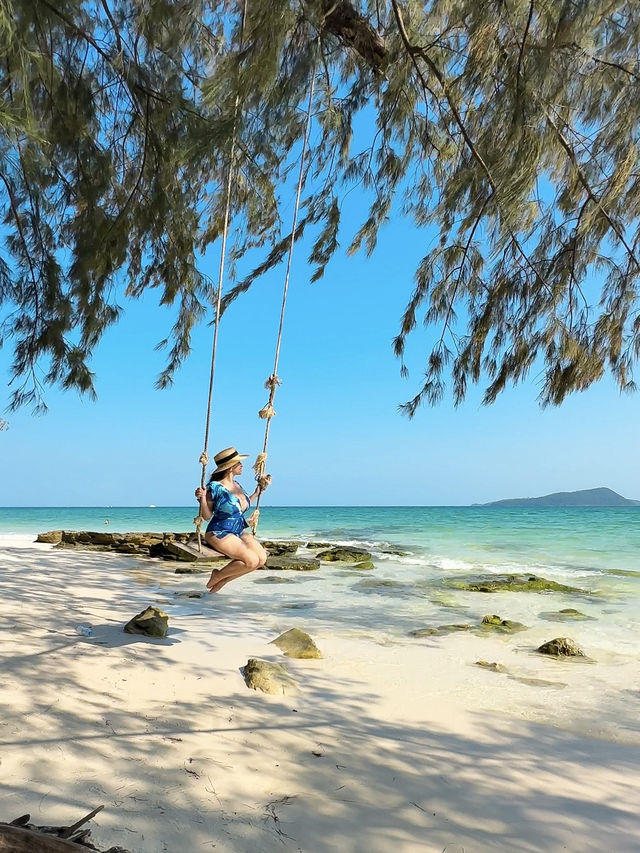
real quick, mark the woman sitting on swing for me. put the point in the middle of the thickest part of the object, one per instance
(222, 504)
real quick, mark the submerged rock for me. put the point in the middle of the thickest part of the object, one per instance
(192, 568)
(504, 626)
(268, 677)
(341, 554)
(152, 622)
(491, 665)
(444, 599)
(512, 583)
(561, 647)
(315, 545)
(384, 586)
(297, 644)
(569, 614)
(439, 630)
(623, 573)
(274, 579)
(291, 564)
(365, 565)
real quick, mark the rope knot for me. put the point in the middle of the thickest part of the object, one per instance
(204, 458)
(272, 382)
(259, 464)
(267, 413)
(264, 481)
(253, 519)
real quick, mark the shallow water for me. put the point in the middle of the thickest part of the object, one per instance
(580, 547)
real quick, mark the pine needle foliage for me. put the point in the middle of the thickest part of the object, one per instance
(509, 129)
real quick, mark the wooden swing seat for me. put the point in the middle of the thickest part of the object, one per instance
(188, 552)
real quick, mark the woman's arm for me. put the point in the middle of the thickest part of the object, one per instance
(206, 504)
(255, 495)
(266, 481)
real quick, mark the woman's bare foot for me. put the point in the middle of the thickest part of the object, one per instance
(213, 580)
(217, 585)
(225, 575)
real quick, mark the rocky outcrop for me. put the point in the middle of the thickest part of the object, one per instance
(561, 647)
(277, 549)
(53, 537)
(291, 564)
(152, 622)
(268, 677)
(502, 626)
(137, 544)
(297, 644)
(365, 565)
(341, 554)
(510, 583)
(488, 624)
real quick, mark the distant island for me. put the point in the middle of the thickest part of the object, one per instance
(585, 497)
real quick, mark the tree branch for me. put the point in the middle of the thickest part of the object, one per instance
(581, 177)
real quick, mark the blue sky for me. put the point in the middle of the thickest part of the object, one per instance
(337, 438)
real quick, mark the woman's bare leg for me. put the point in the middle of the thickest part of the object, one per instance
(251, 542)
(244, 559)
(232, 570)
(222, 577)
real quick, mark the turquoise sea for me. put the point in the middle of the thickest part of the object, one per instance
(583, 540)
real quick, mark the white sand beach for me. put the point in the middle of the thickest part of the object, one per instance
(386, 747)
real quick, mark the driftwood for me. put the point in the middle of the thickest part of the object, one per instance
(20, 836)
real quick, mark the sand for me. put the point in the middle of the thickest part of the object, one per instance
(383, 748)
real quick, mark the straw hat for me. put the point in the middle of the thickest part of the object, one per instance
(227, 458)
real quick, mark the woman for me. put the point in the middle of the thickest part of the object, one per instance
(223, 503)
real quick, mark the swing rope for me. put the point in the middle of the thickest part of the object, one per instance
(204, 456)
(268, 412)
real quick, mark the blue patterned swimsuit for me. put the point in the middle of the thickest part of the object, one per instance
(227, 514)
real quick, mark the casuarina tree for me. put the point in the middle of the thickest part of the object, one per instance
(506, 130)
